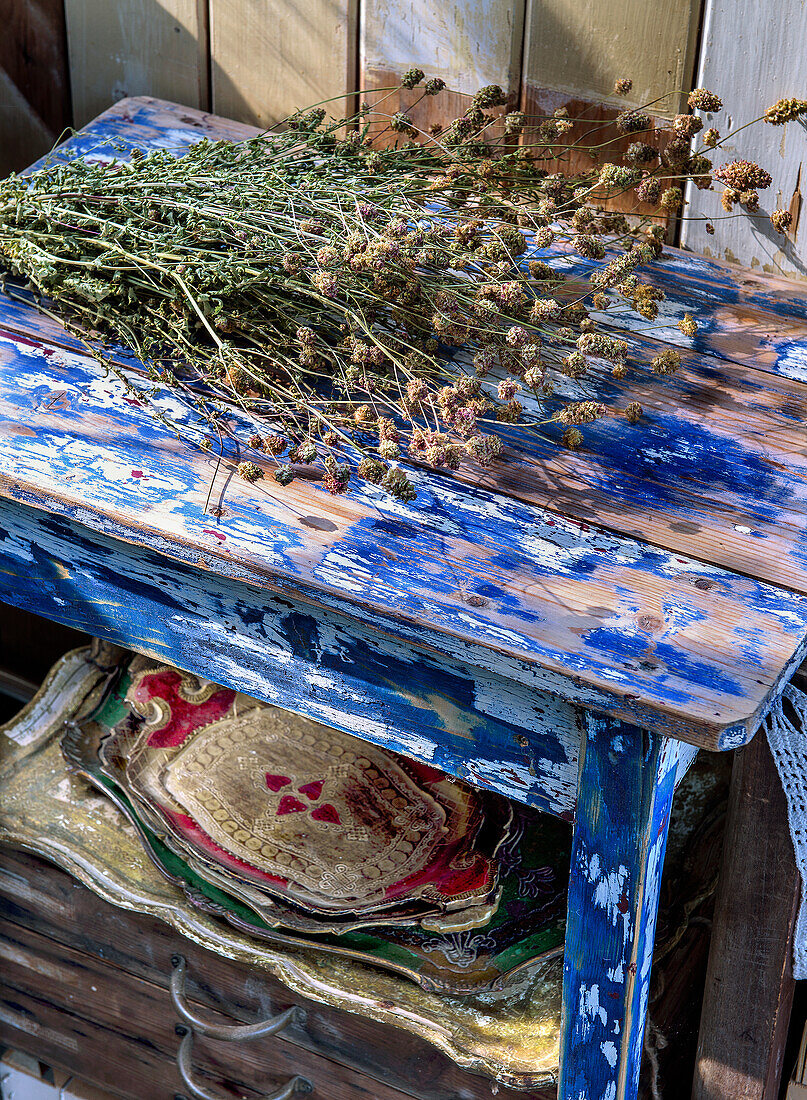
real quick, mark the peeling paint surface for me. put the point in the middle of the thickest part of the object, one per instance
(647, 632)
(627, 780)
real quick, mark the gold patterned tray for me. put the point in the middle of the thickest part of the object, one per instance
(511, 1035)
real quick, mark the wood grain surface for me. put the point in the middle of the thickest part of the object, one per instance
(136, 47)
(468, 44)
(34, 81)
(40, 904)
(676, 625)
(270, 58)
(753, 56)
(627, 782)
(749, 981)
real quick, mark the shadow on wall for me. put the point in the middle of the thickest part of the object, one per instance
(281, 56)
(34, 85)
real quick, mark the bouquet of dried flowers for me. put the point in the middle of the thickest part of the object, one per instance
(366, 290)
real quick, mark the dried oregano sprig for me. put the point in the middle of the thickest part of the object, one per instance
(357, 284)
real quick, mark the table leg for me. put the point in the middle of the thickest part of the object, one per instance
(749, 982)
(627, 781)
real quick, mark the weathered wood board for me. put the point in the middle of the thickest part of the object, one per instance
(636, 628)
(582, 49)
(574, 52)
(753, 55)
(468, 44)
(270, 58)
(40, 902)
(34, 81)
(136, 47)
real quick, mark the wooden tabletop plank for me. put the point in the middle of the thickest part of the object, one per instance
(685, 646)
(739, 316)
(697, 645)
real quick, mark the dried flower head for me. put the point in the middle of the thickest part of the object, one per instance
(412, 77)
(649, 190)
(572, 438)
(249, 471)
(274, 444)
(588, 246)
(686, 126)
(710, 229)
(785, 110)
(388, 449)
(703, 100)
(371, 470)
(711, 138)
(641, 154)
(489, 96)
(514, 122)
(617, 176)
(633, 412)
(688, 325)
(398, 484)
(602, 346)
(667, 362)
(582, 412)
(743, 175)
(433, 86)
(622, 86)
(781, 220)
(633, 122)
(402, 124)
(671, 199)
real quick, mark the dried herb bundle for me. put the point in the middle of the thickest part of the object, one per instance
(361, 286)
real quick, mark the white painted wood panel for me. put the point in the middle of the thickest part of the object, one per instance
(753, 54)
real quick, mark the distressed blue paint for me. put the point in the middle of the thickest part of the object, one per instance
(627, 780)
(446, 629)
(459, 566)
(471, 723)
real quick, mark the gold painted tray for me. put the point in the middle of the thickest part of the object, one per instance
(511, 1035)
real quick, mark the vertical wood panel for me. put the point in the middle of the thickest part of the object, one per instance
(581, 48)
(574, 51)
(468, 44)
(122, 48)
(752, 55)
(749, 982)
(625, 791)
(271, 57)
(34, 82)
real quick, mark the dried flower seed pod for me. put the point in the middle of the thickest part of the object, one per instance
(249, 471)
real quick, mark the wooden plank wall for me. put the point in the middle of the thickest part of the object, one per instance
(34, 82)
(270, 57)
(257, 60)
(754, 54)
(120, 48)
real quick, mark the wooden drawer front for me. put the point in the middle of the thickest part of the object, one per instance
(85, 984)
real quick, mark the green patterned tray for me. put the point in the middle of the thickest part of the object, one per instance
(525, 931)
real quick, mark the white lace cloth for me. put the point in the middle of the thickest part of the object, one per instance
(786, 726)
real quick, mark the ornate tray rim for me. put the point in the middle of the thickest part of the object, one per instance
(449, 1034)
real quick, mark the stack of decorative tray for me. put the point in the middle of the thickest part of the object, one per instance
(299, 834)
(404, 971)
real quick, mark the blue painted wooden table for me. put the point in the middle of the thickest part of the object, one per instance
(567, 629)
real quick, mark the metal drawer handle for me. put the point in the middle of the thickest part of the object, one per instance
(226, 1032)
(297, 1085)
